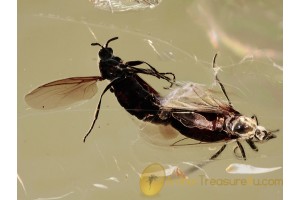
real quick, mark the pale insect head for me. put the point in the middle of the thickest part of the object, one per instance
(244, 127)
(248, 128)
(261, 134)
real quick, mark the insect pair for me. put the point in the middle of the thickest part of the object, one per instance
(188, 108)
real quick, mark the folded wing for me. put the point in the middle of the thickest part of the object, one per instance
(194, 97)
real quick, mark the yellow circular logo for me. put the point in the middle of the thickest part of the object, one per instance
(152, 179)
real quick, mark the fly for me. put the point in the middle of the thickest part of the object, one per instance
(196, 114)
(189, 109)
(132, 92)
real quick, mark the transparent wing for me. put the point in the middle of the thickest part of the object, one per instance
(161, 135)
(63, 92)
(193, 97)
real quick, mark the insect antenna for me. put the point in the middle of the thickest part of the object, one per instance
(97, 44)
(218, 80)
(112, 39)
(274, 131)
(271, 135)
(106, 45)
(98, 107)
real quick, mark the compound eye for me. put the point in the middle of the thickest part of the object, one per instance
(242, 128)
(238, 127)
(110, 50)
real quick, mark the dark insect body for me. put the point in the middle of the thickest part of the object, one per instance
(189, 109)
(132, 92)
(196, 114)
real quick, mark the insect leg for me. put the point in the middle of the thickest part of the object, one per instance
(158, 74)
(252, 145)
(242, 149)
(151, 67)
(218, 80)
(175, 143)
(138, 62)
(153, 73)
(143, 71)
(218, 152)
(173, 80)
(98, 107)
(235, 153)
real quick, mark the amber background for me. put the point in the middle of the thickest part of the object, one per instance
(54, 43)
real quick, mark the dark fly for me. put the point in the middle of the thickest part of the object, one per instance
(196, 114)
(189, 108)
(132, 92)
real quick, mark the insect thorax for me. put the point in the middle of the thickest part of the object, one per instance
(111, 68)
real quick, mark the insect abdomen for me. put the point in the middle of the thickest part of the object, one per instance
(212, 133)
(137, 101)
